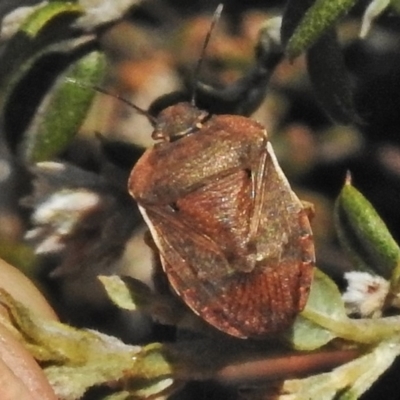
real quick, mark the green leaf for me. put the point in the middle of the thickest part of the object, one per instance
(53, 342)
(142, 375)
(292, 15)
(47, 25)
(132, 294)
(39, 19)
(321, 16)
(325, 299)
(324, 318)
(42, 32)
(330, 79)
(152, 363)
(64, 109)
(364, 235)
(346, 382)
(76, 359)
(126, 293)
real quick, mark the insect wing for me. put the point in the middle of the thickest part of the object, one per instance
(195, 266)
(283, 241)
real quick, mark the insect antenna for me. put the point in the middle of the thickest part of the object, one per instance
(99, 89)
(215, 19)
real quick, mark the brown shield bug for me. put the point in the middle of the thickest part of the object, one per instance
(235, 241)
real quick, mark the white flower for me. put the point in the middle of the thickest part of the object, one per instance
(58, 216)
(365, 294)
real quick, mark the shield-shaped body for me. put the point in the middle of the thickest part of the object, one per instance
(235, 241)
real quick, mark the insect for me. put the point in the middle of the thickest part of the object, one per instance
(234, 240)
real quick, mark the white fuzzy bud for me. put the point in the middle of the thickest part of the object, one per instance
(365, 294)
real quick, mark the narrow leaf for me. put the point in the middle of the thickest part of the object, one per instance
(292, 15)
(43, 31)
(127, 294)
(75, 360)
(363, 234)
(63, 110)
(46, 25)
(132, 294)
(346, 382)
(141, 375)
(321, 16)
(37, 21)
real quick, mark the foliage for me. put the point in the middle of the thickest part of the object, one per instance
(58, 45)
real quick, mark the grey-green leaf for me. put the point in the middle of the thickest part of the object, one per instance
(348, 381)
(131, 294)
(127, 293)
(64, 109)
(46, 25)
(321, 16)
(75, 360)
(45, 30)
(38, 20)
(292, 15)
(363, 234)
